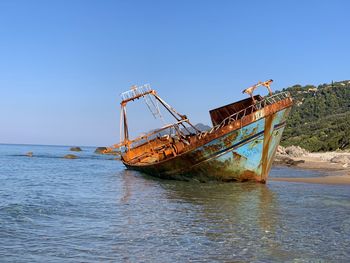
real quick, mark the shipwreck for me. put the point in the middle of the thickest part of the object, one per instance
(240, 146)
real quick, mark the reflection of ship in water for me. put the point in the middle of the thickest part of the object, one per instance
(221, 210)
(228, 206)
(219, 219)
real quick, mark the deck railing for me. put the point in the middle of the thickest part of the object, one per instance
(246, 111)
(136, 91)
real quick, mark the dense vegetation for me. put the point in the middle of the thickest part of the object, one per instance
(320, 118)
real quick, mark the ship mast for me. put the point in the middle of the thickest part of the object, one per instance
(151, 98)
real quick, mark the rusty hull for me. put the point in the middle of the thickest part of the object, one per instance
(242, 150)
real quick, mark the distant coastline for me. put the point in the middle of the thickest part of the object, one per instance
(49, 145)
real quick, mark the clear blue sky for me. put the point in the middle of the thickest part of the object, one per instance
(63, 64)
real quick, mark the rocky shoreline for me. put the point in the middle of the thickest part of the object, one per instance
(334, 165)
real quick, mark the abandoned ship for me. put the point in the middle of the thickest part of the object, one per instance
(239, 147)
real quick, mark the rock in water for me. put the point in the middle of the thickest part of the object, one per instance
(29, 154)
(100, 150)
(75, 149)
(105, 150)
(70, 156)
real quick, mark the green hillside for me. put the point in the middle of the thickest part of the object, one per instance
(320, 118)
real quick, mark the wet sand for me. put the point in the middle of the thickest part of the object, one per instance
(334, 173)
(329, 179)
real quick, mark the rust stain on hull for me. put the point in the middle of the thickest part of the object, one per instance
(266, 144)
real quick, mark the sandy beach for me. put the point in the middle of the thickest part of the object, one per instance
(334, 172)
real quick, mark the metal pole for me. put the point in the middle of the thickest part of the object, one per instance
(121, 124)
(173, 112)
(126, 130)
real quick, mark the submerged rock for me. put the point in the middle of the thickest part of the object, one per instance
(75, 149)
(29, 154)
(70, 156)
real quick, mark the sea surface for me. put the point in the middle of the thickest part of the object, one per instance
(93, 210)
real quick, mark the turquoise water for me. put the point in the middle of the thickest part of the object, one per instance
(93, 210)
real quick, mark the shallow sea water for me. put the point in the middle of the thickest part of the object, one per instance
(93, 210)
